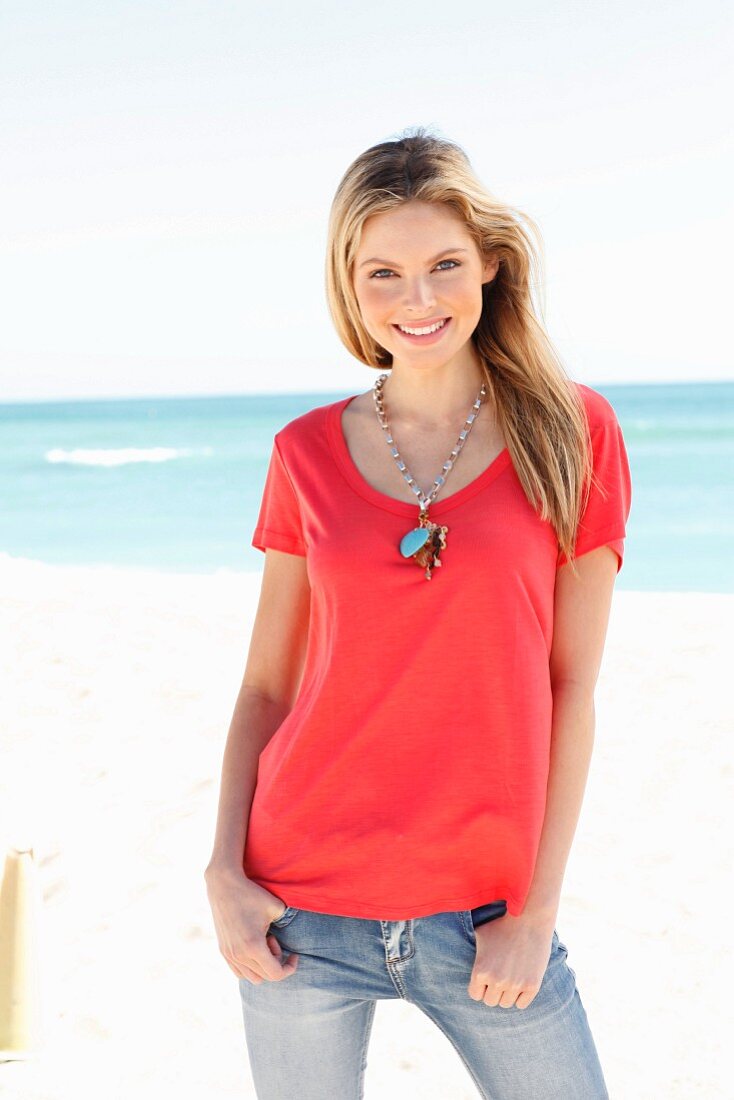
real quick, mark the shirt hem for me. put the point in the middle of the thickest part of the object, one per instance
(343, 907)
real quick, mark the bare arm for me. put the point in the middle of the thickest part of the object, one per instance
(581, 615)
(256, 718)
(242, 909)
(512, 953)
(269, 687)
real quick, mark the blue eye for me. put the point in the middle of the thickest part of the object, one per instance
(385, 270)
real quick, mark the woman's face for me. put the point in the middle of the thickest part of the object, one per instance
(418, 267)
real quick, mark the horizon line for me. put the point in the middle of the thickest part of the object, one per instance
(212, 395)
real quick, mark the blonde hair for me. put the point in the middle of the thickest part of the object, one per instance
(538, 407)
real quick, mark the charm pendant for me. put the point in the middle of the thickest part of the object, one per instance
(424, 543)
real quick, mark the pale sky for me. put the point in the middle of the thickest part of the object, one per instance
(168, 170)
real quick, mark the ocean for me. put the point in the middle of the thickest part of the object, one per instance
(174, 483)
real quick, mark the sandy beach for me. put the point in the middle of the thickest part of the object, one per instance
(117, 692)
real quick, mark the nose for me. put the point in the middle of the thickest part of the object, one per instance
(419, 296)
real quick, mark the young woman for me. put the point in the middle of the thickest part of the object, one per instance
(408, 753)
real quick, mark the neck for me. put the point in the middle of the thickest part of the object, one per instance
(431, 399)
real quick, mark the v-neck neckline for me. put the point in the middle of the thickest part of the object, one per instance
(348, 467)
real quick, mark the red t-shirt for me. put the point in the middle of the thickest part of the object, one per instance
(410, 776)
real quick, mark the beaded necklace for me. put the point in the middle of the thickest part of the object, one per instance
(425, 542)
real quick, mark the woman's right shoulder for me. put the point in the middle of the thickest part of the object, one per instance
(308, 426)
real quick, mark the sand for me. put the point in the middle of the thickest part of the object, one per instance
(117, 692)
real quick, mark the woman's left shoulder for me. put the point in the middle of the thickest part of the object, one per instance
(599, 409)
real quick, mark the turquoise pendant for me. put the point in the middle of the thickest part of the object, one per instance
(413, 541)
(424, 543)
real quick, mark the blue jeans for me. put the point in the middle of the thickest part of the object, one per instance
(307, 1035)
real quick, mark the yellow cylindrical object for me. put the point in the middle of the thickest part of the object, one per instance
(20, 1018)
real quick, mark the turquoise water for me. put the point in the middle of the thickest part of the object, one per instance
(175, 483)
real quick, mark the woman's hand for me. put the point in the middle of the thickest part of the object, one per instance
(242, 913)
(512, 957)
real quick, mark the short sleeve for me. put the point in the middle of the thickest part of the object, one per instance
(603, 522)
(279, 521)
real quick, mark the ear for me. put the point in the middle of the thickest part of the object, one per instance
(490, 267)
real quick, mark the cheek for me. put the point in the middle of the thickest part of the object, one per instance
(469, 296)
(468, 305)
(375, 302)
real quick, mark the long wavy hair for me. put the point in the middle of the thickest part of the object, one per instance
(538, 407)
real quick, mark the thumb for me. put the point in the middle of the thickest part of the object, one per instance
(275, 948)
(291, 962)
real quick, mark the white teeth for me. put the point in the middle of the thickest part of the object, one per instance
(422, 331)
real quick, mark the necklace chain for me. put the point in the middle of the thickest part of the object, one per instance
(424, 499)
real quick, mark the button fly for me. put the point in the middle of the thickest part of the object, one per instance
(398, 938)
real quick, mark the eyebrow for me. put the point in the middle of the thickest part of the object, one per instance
(389, 263)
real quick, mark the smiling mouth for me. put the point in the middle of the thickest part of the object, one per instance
(422, 333)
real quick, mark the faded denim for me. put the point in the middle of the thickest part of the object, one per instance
(307, 1036)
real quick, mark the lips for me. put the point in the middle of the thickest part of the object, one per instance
(423, 324)
(427, 338)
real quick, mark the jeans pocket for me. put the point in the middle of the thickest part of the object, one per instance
(559, 948)
(482, 914)
(285, 917)
(558, 944)
(467, 927)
